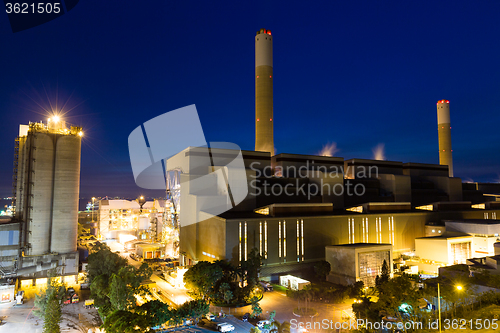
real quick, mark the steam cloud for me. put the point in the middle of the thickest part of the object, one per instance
(330, 149)
(379, 152)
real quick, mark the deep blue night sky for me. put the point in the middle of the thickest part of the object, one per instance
(357, 73)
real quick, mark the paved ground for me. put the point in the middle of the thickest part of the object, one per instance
(284, 306)
(19, 318)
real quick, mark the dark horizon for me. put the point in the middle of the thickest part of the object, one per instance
(357, 76)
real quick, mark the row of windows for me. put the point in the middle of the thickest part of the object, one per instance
(365, 235)
(493, 215)
(243, 240)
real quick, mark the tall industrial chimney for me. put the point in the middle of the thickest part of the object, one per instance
(444, 134)
(264, 136)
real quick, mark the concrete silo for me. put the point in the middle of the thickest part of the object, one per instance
(40, 187)
(47, 181)
(66, 191)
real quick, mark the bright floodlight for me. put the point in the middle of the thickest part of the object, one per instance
(459, 287)
(56, 118)
(80, 133)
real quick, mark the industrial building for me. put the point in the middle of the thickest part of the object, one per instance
(144, 221)
(42, 234)
(358, 262)
(299, 208)
(293, 230)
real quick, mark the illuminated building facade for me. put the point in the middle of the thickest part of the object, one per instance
(291, 232)
(118, 217)
(43, 232)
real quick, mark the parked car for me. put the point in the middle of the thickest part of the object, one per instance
(89, 303)
(245, 317)
(263, 323)
(225, 327)
(210, 316)
(266, 285)
(20, 297)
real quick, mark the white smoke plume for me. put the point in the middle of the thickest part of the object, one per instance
(379, 152)
(330, 149)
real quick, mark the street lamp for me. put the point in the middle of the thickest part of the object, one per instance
(459, 287)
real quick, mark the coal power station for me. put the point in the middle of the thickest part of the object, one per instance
(354, 213)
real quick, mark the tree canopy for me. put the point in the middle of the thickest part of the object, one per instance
(113, 281)
(201, 278)
(322, 269)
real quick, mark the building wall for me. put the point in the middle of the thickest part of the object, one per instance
(7, 293)
(435, 249)
(314, 233)
(9, 245)
(346, 262)
(342, 263)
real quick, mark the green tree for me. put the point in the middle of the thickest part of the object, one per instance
(202, 278)
(102, 261)
(121, 321)
(119, 293)
(322, 269)
(384, 276)
(250, 268)
(156, 312)
(47, 304)
(125, 284)
(52, 317)
(272, 315)
(256, 309)
(356, 289)
(225, 290)
(394, 293)
(255, 330)
(277, 327)
(194, 309)
(385, 273)
(113, 281)
(365, 310)
(102, 264)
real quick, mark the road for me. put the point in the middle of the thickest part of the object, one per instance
(284, 306)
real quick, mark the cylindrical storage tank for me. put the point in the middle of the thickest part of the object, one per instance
(40, 198)
(66, 193)
(144, 222)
